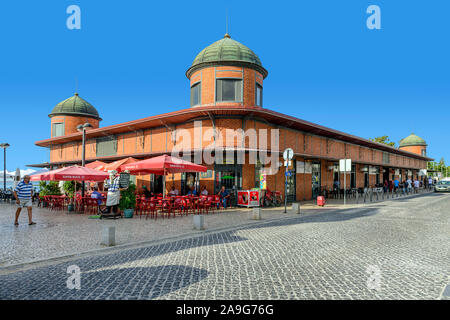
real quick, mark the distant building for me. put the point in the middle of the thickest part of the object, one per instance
(226, 81)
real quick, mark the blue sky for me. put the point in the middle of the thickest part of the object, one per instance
(324, 64)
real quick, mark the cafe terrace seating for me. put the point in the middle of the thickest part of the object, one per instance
(153, 208)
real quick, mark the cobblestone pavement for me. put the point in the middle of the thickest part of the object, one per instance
(391, 250)
(58, 233)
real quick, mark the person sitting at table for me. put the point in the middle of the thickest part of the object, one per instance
(147, 193)
(224, 195)
(173, 192)
(97, 195)
(192, 191)
(204, 191)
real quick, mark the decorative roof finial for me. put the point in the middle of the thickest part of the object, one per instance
(226, 26)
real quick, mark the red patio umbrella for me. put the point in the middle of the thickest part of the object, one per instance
(95, 164)
(76, 173)
(117, 164)
(163, 165)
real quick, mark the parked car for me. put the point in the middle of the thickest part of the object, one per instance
(442, 186)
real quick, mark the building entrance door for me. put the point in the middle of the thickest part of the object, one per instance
(291, 186)
(315, 167)
(366, 179)
(385, 174)
(229, 176)
(188, 180)
(157, 183)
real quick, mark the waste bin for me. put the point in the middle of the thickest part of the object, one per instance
(321, 201)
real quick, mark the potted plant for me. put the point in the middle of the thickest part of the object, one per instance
(43, 192)
(48, 189)
(69, 189)
(128, 201)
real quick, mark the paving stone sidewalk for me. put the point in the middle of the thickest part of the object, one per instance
(391, 250)
(59, 233)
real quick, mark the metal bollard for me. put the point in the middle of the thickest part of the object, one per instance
(256, 214)
(109, 236)
(357, 196)
(199, 222)
(370, 195)
(295, 208)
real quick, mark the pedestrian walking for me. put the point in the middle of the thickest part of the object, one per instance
(409, 185)
(416, 185)
(386, 186)
(396, 185)
(23, 194)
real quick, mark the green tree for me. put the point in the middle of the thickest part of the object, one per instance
(383, 139)
(69, 188)
(49, 189)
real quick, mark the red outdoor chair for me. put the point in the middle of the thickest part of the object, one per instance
(177, 206)
(184, 208)
(91, 206)
(166, 208)
(140, 204)
(213, 206)
(143, 208)
(217, 202)
(151, 209)
(203, 205)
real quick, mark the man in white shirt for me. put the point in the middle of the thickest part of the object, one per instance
(409, 185)
(416, 186)
(204, 191)
(173, 191)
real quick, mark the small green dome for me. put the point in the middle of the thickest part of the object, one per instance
(75, 106)
(227, 51)
(412, 140)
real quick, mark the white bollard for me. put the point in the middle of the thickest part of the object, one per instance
(256, 214)
(109, 236)
(199, 222)
(295, 208)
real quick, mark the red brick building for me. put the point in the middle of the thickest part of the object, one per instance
(226, 81)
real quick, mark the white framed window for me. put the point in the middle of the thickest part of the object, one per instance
(229, 90)
(196, 94)
(57, 129)
(258, 92)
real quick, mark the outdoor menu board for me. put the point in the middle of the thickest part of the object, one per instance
(248, 198)
(124, 180)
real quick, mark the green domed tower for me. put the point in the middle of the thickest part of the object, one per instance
(414, 144)
(226, 72)
(70, 113)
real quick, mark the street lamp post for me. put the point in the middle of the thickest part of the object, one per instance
(4, 146)
(82, 128)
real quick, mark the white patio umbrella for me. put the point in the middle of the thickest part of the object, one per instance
(17, 178)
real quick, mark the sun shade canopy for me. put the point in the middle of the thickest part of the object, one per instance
(162, 165)
(76, 173)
